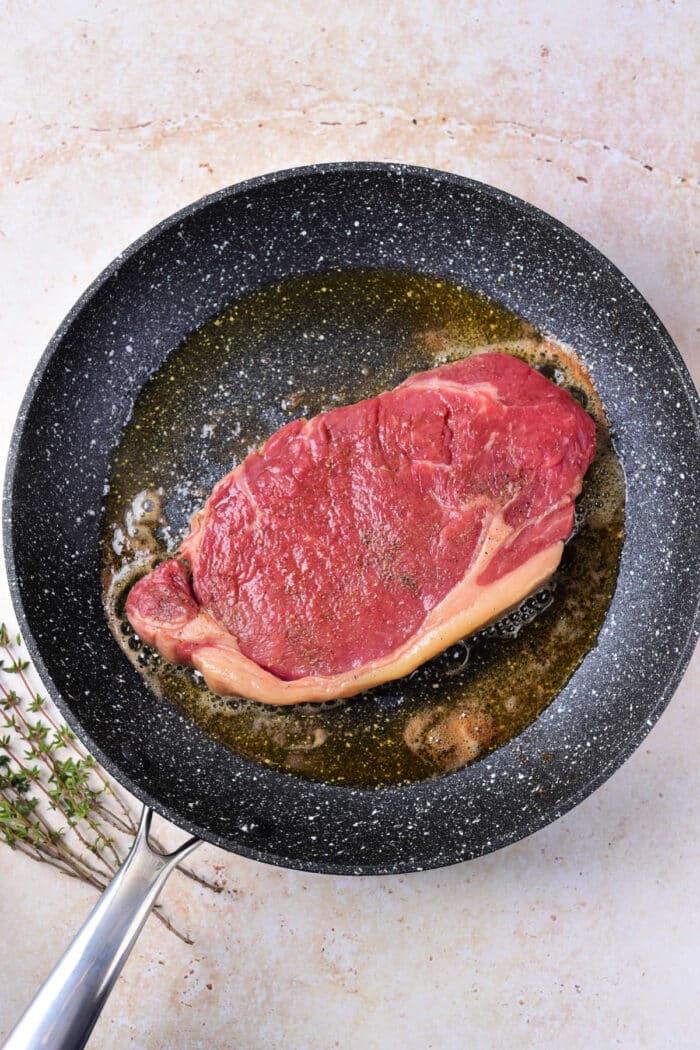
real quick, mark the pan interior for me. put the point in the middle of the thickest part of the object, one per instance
(295, 349)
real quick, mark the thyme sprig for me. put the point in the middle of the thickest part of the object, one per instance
(56, 805)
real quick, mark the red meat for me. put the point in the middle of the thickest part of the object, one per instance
(358, 544)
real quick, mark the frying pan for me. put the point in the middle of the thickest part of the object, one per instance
(182, 273)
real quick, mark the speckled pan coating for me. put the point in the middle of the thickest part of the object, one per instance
(183, 272)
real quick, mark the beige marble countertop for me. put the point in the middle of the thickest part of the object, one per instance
(587, 934)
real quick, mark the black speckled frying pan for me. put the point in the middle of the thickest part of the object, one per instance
(184, 272)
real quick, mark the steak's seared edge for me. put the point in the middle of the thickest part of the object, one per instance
(358, 544)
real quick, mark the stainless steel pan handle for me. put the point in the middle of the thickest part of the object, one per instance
(64, 1011)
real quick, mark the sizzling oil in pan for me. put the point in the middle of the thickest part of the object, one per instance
(299, 348)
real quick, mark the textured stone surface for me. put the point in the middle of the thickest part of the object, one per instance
(565, 936)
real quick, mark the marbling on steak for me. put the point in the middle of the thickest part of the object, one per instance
(358, 544)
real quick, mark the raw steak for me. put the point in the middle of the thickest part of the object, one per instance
(358, 544)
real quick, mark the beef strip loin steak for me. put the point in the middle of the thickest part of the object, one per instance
(356, 545)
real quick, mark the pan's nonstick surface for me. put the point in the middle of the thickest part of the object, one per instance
(184, 273)
(304, 346)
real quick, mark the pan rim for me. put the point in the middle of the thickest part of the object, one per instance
(500, 839)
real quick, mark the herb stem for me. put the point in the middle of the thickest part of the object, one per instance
(53, 843)
(38, 783)
(68, 735)
(75, 788)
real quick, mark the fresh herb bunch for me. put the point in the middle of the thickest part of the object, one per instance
(56, 804)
